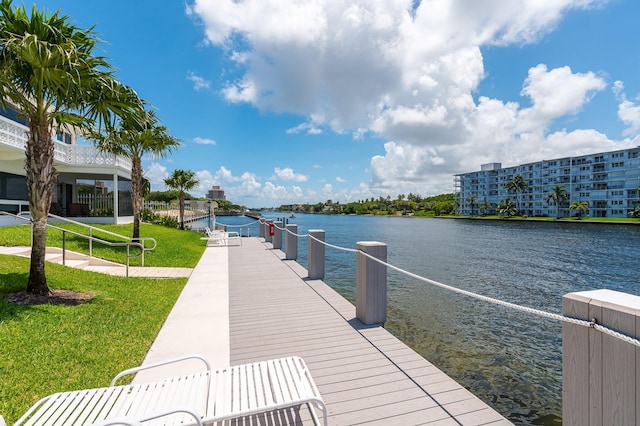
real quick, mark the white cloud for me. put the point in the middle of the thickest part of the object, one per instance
(309, 128)
(409, 73)
(156, 173)
(198, 81)
(341, 180)
(204, 141)
(556, 93)
(628, 112)
(287, 174)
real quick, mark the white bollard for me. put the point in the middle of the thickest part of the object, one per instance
(371, 283)
(277, 235)
(600, 377)
(267, 236)
(316, 255)
(291, 245)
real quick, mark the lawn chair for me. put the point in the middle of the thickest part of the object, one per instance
(215, 237)
(138, 421)
(216, 395)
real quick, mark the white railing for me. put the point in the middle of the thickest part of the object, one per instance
(15, 135)
(142, 244)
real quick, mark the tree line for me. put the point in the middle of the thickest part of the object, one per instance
(411, 204)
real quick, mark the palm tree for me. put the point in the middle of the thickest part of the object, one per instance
(557, 196)
(580, 207)
(48, 70)
(133, 137)
(507, 208)
(517, 184)
(485, 207)
(182, 180)
(472, 201)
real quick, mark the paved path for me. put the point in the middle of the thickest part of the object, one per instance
(83, 261)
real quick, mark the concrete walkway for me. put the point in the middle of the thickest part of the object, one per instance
(83, 261)
(198, 322)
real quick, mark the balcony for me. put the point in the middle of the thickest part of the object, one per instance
(14, 135)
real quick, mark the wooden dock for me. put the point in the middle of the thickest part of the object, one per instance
(365, 375)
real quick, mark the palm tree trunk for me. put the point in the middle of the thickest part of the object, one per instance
(181, 210)
(136, 195)
(41, 180)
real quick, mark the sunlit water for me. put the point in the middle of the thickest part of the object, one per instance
(510, 359)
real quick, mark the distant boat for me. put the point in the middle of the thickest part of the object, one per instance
(292, 217)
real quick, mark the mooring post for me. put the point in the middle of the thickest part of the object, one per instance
(291, 243)
(316, 254)
(267, 235)
(277, 235)
(261, 232)
(371, 283)
(600, 380)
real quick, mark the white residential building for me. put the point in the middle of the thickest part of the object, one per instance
(90, 184)
(608, 181)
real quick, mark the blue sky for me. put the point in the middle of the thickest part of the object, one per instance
(284, 102)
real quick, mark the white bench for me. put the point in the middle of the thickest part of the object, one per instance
(215, 395)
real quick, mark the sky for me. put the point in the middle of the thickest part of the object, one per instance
(286, 102)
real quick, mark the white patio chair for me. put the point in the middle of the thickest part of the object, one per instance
(223, 394)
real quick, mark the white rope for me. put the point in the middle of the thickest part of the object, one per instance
(237, 226)
(538, 312)
(332, 246)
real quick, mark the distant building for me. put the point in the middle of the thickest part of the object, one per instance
(608, 181)
(215, 193)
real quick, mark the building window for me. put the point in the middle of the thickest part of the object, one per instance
(13, 187)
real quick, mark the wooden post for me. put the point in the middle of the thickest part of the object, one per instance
(600, 381)
(316, 255)
(291, 244)
(267, 235)
(277, 235)
(371, 283)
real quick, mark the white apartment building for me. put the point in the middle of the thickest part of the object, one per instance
(92, 186)
(608, 181)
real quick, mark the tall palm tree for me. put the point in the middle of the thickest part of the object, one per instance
(517, 184)
(48, 70)
(133, 137)
(472, 201)
(485, 207)
(580, 207)
(183, 181)
(507, 208)
(557, 196)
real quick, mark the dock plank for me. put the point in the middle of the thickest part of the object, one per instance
(365, 374)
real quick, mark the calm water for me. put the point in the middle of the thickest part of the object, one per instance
(510, 359)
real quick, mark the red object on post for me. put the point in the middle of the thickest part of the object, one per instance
(271, 230)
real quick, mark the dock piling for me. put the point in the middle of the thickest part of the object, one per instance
(316, 255)
(291, 242)
(277, 235)
(600, 380)
(371, 283)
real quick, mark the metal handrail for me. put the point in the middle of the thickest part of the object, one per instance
(104, 231)
(91, 238)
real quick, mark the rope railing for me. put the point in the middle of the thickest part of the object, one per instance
(592, 324)
(238, 226)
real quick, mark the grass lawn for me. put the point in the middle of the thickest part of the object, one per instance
(175, 248)
(49, 348)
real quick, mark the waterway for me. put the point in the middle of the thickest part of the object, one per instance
(510, 359)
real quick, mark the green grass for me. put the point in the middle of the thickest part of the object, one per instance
(49, 348)
(175, 248)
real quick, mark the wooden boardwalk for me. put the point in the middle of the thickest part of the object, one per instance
(365, 375)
